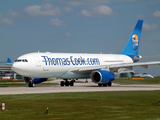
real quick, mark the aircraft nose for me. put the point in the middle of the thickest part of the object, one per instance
(16, 68)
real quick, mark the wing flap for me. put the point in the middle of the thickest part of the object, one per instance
(145, 66)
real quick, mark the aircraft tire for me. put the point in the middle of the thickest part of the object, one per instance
(31, 84)
(105, 85)
(110, 84)
(67, 83)
(99, 84)
(71, 83)
(62, 83)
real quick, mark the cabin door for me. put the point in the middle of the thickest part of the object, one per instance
(38, 62)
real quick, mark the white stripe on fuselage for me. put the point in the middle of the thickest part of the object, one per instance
(47, 65)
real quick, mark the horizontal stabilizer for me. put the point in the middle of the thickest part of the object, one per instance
(148, 57)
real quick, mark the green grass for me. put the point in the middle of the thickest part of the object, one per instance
(26, 85)
(132, 105)
(19, 80)
(10, 80)
(130, 81)
(21, 83)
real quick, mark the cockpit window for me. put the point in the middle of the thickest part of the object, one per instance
(21, 60)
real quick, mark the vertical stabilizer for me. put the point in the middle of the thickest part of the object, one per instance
(132, 46)
(9, 61)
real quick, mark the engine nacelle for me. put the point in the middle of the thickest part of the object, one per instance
(35, 80)
(102, 76)
(39, 80)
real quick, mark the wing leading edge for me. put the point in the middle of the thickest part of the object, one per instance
(113, 68)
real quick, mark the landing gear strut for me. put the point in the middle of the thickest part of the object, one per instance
(110, 84)
(67, 83)
(31, 84)
(29, 80)
(86, 81)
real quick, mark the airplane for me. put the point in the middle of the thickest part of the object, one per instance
(144, 75)
(38, 67)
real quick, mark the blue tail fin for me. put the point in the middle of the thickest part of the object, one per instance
(9, 61)
(132, 46)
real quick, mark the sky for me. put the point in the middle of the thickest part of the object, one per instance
(78, 26)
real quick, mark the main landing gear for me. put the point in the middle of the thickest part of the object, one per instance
(67, 83)
(109, 84)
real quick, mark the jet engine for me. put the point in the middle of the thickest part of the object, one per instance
(102, 76)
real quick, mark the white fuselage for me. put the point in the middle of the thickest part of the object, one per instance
(60, 65)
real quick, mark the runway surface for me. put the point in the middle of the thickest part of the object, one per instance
(78, 87)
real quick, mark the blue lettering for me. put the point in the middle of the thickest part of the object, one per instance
(67, 61)
(53, 61)
(73, 61)
(88, 61)
(49, 60)
(76, 61)
(44, 59)
(60, 61)
(97, 61)
(92, 63)
(83, 61)
(64, 61)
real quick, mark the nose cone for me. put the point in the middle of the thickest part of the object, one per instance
(16, 67)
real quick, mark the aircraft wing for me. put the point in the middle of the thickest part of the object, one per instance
(113, 68)
(88, 69)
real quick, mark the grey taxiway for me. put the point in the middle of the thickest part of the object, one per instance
(78, 87)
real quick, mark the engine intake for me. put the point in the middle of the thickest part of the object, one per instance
(102, 76)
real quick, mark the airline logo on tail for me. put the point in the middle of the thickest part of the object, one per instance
(135, 41)
(132, 46)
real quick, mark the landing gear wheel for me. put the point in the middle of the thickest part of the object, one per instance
(62, 83)
(110, 84)
(104, 85)
(99, 84)
(66, 83)
(71, 83)
(31, 84)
